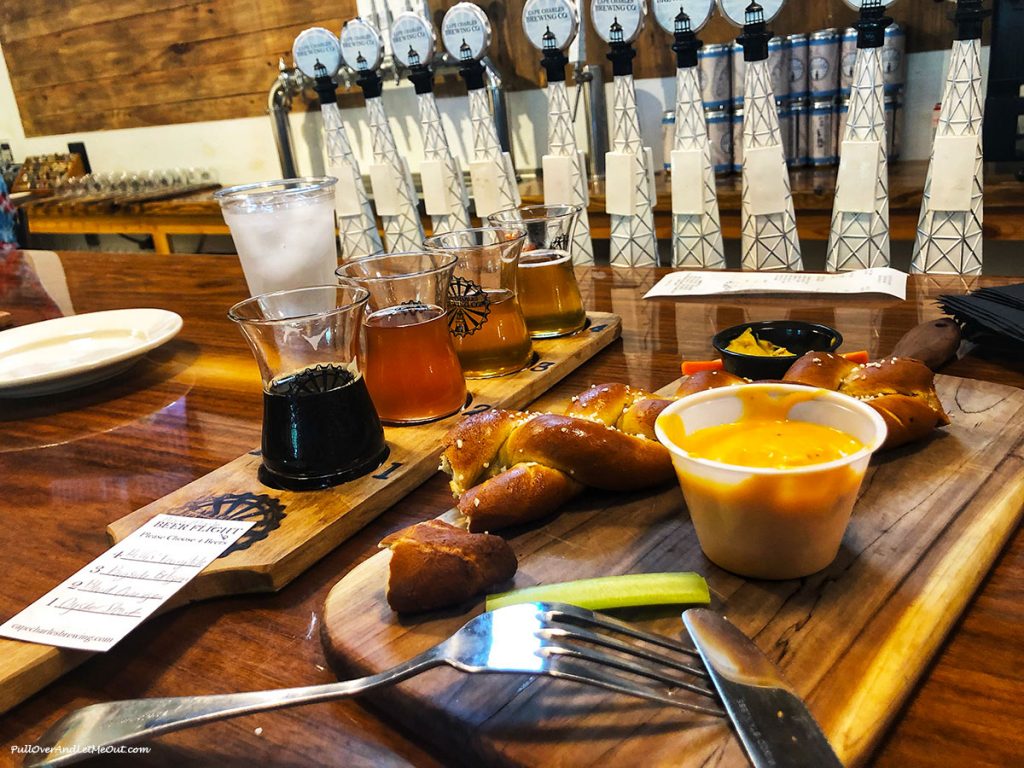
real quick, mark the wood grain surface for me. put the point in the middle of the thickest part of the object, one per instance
(72, 69)
(297, 529)
(70, 466)
(852, 639)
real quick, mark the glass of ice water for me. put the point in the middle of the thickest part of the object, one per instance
(283, 232)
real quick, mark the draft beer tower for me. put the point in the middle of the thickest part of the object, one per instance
(949, 228)
(393, 192)
(859, 237)
(696, 228)
(466, 34)
(317, 54)
(767, 219)
(629, 175)
(551, 26)
(444, 193)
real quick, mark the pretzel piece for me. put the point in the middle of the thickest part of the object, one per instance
(434, 564)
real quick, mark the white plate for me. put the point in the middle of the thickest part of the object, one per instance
(69, 352)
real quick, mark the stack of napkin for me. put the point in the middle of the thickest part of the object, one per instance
(989, 310)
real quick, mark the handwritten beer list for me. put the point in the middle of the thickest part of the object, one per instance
(117, 591)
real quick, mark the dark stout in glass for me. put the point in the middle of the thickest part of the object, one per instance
(319, 429)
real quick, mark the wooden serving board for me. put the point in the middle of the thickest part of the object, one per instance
(853, 639)
(294, 530)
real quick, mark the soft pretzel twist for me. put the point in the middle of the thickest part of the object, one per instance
(901, 389)
(510, 467)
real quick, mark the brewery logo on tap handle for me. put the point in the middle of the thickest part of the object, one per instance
(666, 13)
(362, 48)
(550, 24)
(466, 32)
(735, 11)
(413, 40)
(618, 21)
(317, 53)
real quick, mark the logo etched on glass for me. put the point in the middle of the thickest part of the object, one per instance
(468, 307)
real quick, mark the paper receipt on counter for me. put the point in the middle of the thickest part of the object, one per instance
(708, 283)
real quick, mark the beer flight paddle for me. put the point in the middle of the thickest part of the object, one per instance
(293, 530)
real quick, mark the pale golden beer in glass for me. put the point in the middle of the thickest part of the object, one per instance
(484, 316)
(500, 345)
(549, 294)
(547, 226)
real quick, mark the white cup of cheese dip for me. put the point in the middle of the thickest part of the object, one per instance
(766, 522)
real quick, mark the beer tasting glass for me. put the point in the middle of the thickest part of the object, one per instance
(283, 232)
(547, 226)
(319, 424)
(484, 317)
(408, 358)
(549, 294)
(548, 291)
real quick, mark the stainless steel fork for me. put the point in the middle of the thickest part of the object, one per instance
(550, 639)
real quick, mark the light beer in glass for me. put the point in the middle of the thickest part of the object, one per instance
(549, 294)
(484, 316)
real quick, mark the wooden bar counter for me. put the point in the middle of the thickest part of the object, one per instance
(70, 464)
(813, 191)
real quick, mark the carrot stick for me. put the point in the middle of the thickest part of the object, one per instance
(695, 366)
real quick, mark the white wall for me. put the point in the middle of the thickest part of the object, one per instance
(242, 150)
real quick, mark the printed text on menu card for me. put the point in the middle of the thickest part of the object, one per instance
(707, 283)
(94, 609)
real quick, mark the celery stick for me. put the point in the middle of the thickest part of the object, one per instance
(613, 591)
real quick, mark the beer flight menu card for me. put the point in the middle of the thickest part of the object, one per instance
(98, 606)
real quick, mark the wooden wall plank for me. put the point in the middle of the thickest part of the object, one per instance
(98, 64)
(20, 19)
(196, 61)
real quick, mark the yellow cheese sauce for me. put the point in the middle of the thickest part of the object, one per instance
(779, 444)
(764, 436)
(770, 526)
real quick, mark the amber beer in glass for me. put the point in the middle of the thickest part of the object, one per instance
(549, 294)
(408, 358)
(484, 316)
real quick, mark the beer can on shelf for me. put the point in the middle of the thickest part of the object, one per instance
(847, 58)
(739, 71)
(801, 114)
(719, 123)
(821, 132)
(798, 66)
(894, 124)
(823, 63)
(715, 75)
(785, 114)
(737, 140)
(778, 66)
(894, 58)
(668, 137)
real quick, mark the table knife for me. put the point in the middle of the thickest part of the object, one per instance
(773, 723)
